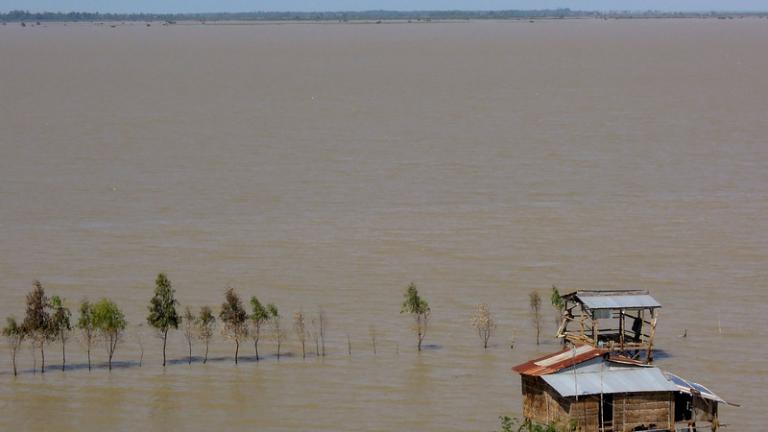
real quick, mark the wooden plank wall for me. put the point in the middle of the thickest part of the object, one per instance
(635, 409)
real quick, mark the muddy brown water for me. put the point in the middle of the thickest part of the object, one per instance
(331, 165)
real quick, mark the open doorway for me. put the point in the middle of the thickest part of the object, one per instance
(606, 413)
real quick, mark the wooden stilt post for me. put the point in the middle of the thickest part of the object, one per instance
(654, 317)
(621, 330)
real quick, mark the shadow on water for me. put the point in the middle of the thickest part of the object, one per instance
(130, 364)
(658, 354)
(431, 347)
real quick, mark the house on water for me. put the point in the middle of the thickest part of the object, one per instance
(622, 321)
(599, 391)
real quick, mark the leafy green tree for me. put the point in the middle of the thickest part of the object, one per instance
(259, 318)
(162, 309)
(419, 309)
(556, 299)
(110, 322)
(234, 318)
(61, 326)
(87, 327)
(14, 335)
(205, 324)
(559, 304)
(37, 321)
(189, 320)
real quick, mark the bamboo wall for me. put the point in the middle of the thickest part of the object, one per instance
(635, 409)
(544, 405)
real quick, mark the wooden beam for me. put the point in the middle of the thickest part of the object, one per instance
(654, 317)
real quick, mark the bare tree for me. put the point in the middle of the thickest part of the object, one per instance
(299, 326)
(188, 321)
(483, 322)
(322, 323)
(206, 322)
(61, 326)
(278, 333)
(314, 335)
(140, 342)
(372, 334)
(14, 335)
(535, 304)
(87, 327)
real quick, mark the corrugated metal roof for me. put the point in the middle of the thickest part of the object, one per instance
(618, 301)
(618, 380)
(552, 363)
(691, 387)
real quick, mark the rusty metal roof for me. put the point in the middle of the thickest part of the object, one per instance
(552, 363)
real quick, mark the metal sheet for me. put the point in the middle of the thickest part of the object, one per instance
(554, 362)
(632, 380)
(619, 302)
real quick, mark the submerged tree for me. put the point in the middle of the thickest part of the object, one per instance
(299, 326)
(14, 334)
(534, 301)
(188, 320)
(37, 321)
(483, 322)
(322, 324)
(162, 309)
(61, 326)
(259, 318)
(234, 318)
(419, 309)
(110, 322)
(205, 324)
(87, 327)
(278, 333)
(372, 334)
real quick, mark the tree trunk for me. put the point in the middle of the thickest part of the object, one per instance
(165, 339)
(237, 349)
(63, 354)
(420, 339)
(256, 344)
(111, 352)
(13, 355)
(303, 352)
(42, 357)
(189, 341)
(205, 359)
(89, 355)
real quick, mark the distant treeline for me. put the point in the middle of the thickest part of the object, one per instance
(373, 15)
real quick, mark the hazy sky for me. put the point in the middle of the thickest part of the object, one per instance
(318, 5)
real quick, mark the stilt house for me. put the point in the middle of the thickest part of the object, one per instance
(597, 391)
(620, 321)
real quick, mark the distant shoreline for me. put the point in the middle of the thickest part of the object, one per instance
(363, 16)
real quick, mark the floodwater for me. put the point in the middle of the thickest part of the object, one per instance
(331, 165)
